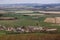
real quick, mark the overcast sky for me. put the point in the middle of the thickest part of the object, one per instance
(28, 1)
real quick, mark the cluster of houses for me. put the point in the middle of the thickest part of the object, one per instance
(27, 29)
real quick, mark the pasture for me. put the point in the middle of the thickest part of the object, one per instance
(27, 20)
(21, 21)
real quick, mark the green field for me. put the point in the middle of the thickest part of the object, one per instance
(25, 20)
(21, 21)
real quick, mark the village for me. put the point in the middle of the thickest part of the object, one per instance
(28, 29)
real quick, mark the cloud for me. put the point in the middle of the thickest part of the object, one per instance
(28, 1)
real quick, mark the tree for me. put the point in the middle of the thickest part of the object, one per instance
(1, 15)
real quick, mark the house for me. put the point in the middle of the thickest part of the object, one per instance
(35, 28)
(20, 29)
(2, 27)
(10, 29)
(52, 29)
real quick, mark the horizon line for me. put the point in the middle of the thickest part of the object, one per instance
(33, 3)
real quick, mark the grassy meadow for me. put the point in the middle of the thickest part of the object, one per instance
(25, 20)
(31, 36)
(21, 21)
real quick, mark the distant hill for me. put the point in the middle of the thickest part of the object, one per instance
(31, 6)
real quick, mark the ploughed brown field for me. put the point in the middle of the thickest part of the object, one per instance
(30, 37)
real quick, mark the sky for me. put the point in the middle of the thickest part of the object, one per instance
(29, 1)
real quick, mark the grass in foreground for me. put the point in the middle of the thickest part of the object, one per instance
(33, 36)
